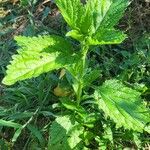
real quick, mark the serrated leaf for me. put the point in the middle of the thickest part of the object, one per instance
(94, 12)
(91, 76)
(71, 11)
(41, 43)
(65, 134)
(93, 17)
(38, 55)
(105, 13)
(123, 105)
(113, 11)
(107, 36)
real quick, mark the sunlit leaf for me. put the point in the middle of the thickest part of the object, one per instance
(38, 55)
(123, 105)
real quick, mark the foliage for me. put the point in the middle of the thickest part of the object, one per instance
(126, 105)
(64, 134)
(38, 55)
(85, 107)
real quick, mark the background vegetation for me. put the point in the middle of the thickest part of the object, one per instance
(34, 102)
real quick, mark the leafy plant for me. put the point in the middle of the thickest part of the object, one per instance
(91, 24)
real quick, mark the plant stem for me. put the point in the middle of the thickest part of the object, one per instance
(84, 51)
(79, 93)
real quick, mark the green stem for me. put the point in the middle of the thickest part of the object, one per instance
(79, 93)
(84, 51)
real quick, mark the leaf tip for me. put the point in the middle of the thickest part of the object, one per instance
(5, 81)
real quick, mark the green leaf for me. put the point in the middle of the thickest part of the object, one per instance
(17, 134)
(91, 76)
(71, 11)
(76, 35)
(123, 105)
(24, 3)
(38, 55)
(65, 134)
(95, 20)
(83, 116)
(35, 131)
(93, 15)
(9, 124)
(71, 105)
(105, 13)
(107, 36)
(113, 11)
(20, 115)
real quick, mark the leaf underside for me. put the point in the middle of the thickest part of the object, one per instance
(123, 105)
(38, 55)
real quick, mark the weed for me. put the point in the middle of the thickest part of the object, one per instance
(90, 113)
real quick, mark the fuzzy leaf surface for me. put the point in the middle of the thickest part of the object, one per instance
(38, 55)
(123, 105)
(64, 134)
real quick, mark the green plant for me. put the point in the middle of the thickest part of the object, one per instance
(91, 24)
